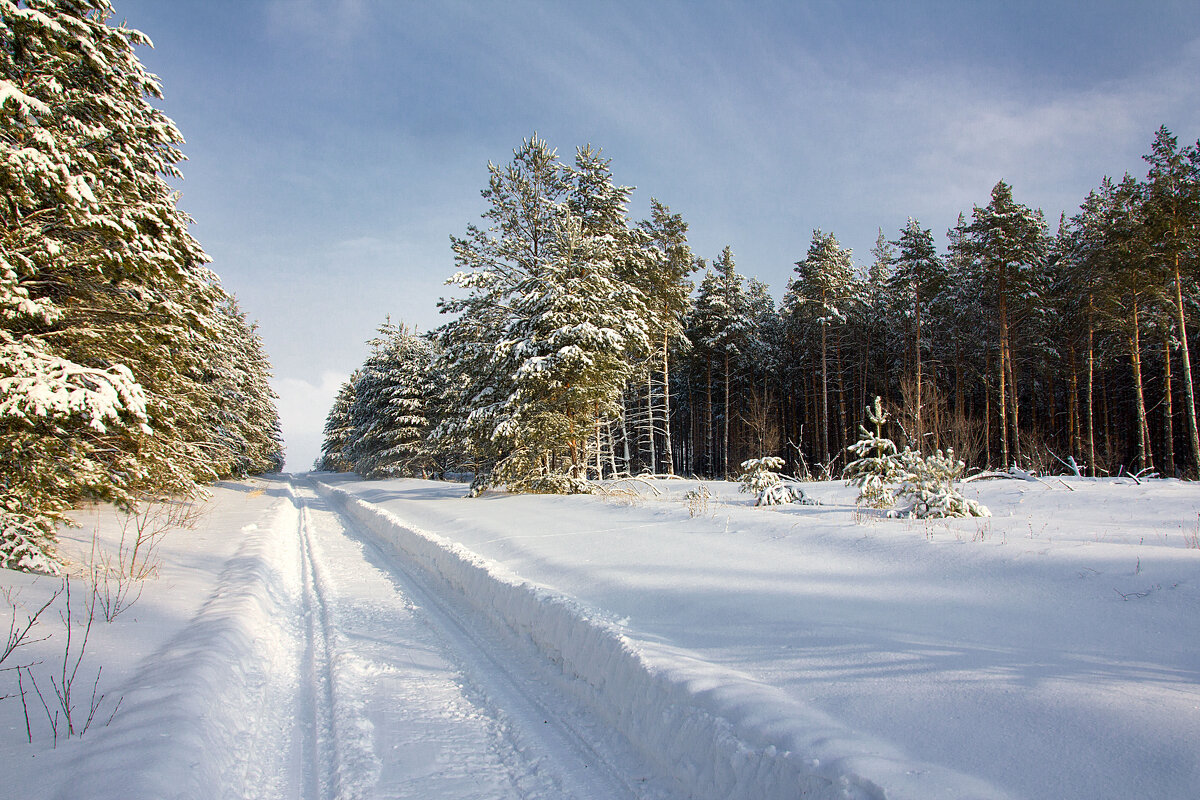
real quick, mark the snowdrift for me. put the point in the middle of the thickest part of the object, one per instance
(714, 731)
(207, 693)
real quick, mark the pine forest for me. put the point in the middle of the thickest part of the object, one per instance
(582, 344)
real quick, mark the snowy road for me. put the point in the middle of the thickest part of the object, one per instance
(284, 654)
(326, 637)
(408, 696)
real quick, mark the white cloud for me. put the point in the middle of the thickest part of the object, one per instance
(302, 409)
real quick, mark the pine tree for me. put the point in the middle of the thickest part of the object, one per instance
(762, 367)
(928, 488)
(664, 282)
(543, 343)
(916, 281)
(574, 329)
(1009, 243)
(719, 329)
(877, 465)
(1129, 288)
(816, 299)
(1173, 216)
(527, 200)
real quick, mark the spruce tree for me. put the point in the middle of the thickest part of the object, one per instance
(339, 430)
(114, 359)
(245, 433)
(388, 419)
(98, 273)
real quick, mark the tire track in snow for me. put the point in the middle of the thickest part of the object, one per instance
(388, 712)
(702, 730)
(582, 754)
(320, 767)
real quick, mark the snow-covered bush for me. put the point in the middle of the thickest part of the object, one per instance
(697, 500)
(917, 486)
(27, 543)
(760, 477)
(877, 464)
(928, 488)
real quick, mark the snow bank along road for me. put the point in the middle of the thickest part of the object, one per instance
(389, 639)
(322, 666)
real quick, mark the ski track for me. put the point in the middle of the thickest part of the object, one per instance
(405, 699)
(319, 668)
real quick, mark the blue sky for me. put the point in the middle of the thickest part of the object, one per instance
(335, 145)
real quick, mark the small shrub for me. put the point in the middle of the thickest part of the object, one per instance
(697, 500)
(877, 464)
(928, 490)
(760, 478)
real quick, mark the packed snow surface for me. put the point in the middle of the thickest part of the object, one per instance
(324, 636)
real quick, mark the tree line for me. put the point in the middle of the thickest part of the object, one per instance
(582, 344)
(126, 371)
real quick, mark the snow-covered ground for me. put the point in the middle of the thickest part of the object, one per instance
(330, 637)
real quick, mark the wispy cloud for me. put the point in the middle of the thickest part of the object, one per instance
(335, 23)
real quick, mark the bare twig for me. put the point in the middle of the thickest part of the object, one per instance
(18, 632)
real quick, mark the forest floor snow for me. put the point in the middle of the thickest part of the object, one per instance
(325, 636)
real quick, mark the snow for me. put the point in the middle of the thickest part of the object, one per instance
(392, 639)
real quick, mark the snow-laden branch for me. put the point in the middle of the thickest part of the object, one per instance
(34, 383)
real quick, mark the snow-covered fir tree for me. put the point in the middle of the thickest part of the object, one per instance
(388, 418)
(108, 310)
(247, 439)
(339, 430)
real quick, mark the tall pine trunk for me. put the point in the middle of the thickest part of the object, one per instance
(650, 417)
(1004, 356)
(1091, 380)
(709, 466)
(1145, 457)
(1168, 409)
(669, 455)
(1190, 410)
(728, 407)
(920, 430)
(824, 399)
